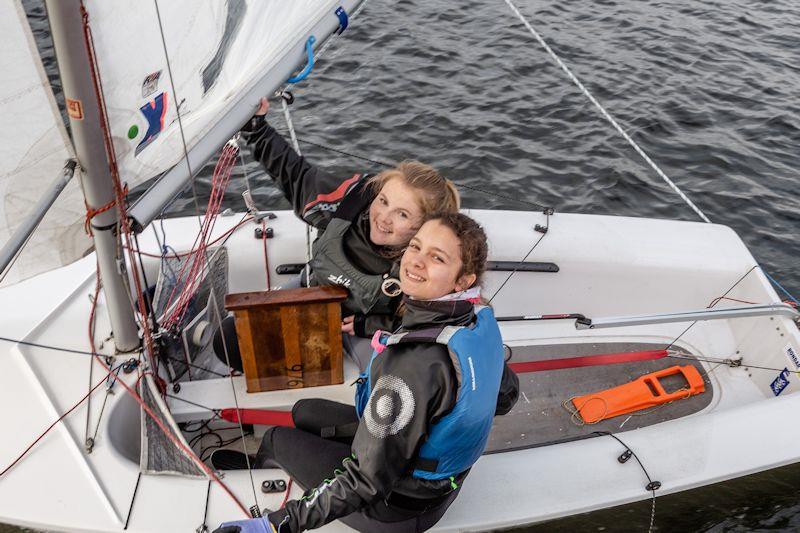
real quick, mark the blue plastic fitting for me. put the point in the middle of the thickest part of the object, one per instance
(303, 74)
(343, 19)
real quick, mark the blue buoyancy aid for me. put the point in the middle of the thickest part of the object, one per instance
(459, 438)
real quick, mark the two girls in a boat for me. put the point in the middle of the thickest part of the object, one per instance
(424, 406)
(364, 224)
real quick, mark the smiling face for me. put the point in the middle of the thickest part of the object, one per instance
(395, 214)
(431, 265)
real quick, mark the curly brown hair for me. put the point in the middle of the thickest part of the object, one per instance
(474, 245)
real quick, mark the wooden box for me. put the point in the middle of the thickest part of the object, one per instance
(289, 338)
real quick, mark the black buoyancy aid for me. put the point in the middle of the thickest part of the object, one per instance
(457, 440)
(331, 266)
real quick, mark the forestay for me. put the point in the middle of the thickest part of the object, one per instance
(33, 149)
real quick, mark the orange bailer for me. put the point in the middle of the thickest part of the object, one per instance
(641, 393)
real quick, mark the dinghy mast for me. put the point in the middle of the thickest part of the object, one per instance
(87, 123)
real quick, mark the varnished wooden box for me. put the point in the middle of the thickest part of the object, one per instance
(289, 338)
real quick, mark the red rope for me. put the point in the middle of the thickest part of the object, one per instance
(91, 213)
(126, 231)
(215, 241)
(286, 497)
(60, 418)
(717, 300)
(190, 275)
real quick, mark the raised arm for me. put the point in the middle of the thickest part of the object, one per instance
(304, 185)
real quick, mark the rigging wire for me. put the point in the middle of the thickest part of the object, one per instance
(619, 128)
(215, 312)
(87, 443)
(223, 237)
(508, 278)
(124, 221)
(133, 499)
(293, 136)
(287, 115)
(178, 112)
(204, 527)
(713, 303)
(603, 111)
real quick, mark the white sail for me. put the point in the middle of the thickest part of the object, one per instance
(33, 148)
(197, 55)
(217, 50)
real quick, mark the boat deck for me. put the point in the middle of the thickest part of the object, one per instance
(539, 418)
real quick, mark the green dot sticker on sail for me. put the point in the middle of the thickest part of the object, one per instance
(133, 132)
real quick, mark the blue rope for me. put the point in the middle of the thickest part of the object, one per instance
(787, 293)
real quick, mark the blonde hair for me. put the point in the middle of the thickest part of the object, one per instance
(438, 193)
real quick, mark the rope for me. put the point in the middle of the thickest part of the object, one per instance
(647, 475)
(286, 496)
(190, 275)
(293, 136)
(126, 231)
(508, 278)
(216, 314)
(605, 113)
(51, 426)
(328, 42)
(223, 238)
(177, 110)
(714, 302)
(91, 213)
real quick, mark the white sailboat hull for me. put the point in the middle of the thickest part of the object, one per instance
(608, 266)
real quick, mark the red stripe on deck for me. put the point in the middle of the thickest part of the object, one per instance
(588, 360)
(258, 416)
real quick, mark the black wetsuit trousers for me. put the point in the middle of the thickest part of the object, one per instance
(310, 459)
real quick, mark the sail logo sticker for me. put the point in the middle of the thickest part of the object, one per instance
(791, 353)
(781, 382)
(150, 84)
(74, 109)
(340, 280)
(154, 111)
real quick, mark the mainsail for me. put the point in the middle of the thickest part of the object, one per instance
(33, 149)
(172, 71)
(178, 77)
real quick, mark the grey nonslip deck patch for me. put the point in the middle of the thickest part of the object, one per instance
(539, 417)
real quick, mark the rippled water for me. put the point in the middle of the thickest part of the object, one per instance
(708, 89)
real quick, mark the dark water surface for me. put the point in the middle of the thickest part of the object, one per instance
(708, 89)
